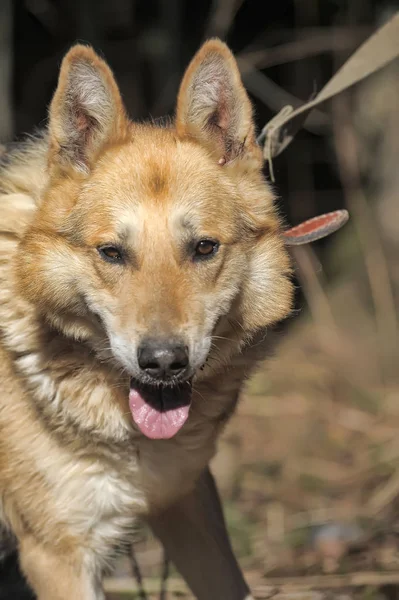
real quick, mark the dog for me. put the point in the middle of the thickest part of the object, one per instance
(140, 267)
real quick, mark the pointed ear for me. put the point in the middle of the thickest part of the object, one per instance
(213, 106)
(86, 111)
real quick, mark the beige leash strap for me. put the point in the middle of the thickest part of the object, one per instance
(375, 53)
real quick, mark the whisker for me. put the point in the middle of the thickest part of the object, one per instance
(219, 337)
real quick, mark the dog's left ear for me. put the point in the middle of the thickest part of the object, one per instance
(213, 106)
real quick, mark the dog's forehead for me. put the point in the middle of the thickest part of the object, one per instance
(157, 167)
(159, 174)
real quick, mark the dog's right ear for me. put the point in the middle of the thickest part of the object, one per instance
(86, 111)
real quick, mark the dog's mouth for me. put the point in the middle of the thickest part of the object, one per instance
(160, 411)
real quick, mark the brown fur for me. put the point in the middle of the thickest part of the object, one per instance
(75, 472)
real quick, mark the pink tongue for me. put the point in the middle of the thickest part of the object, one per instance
(156, 424)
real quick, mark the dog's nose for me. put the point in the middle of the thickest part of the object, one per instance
(162, 359)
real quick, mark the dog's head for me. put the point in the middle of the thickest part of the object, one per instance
(147, 236)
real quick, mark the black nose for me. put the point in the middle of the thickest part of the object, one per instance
(162, 359)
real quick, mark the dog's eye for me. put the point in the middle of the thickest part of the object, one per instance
(206, 248)
(111, 254)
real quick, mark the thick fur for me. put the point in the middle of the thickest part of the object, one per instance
(75, 472)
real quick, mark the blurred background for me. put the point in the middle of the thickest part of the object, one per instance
(309, 468)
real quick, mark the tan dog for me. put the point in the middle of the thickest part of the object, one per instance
(139, 268)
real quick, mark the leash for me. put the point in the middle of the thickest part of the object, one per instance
(381, 48)
(376, 52)
(142, 594)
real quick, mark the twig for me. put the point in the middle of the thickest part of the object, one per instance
(275, 97)
(117, 585)
(137, 575)
(311, 43)
(273, 585)
(384, 495)
(221, 17)
(358, 579)
(316, 298)
(164, 577)
(6, 45)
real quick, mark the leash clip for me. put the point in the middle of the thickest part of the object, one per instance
(271, 136)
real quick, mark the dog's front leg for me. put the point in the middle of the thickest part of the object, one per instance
(54, 576)
(194, 535)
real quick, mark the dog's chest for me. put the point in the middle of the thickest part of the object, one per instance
(99, 500)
